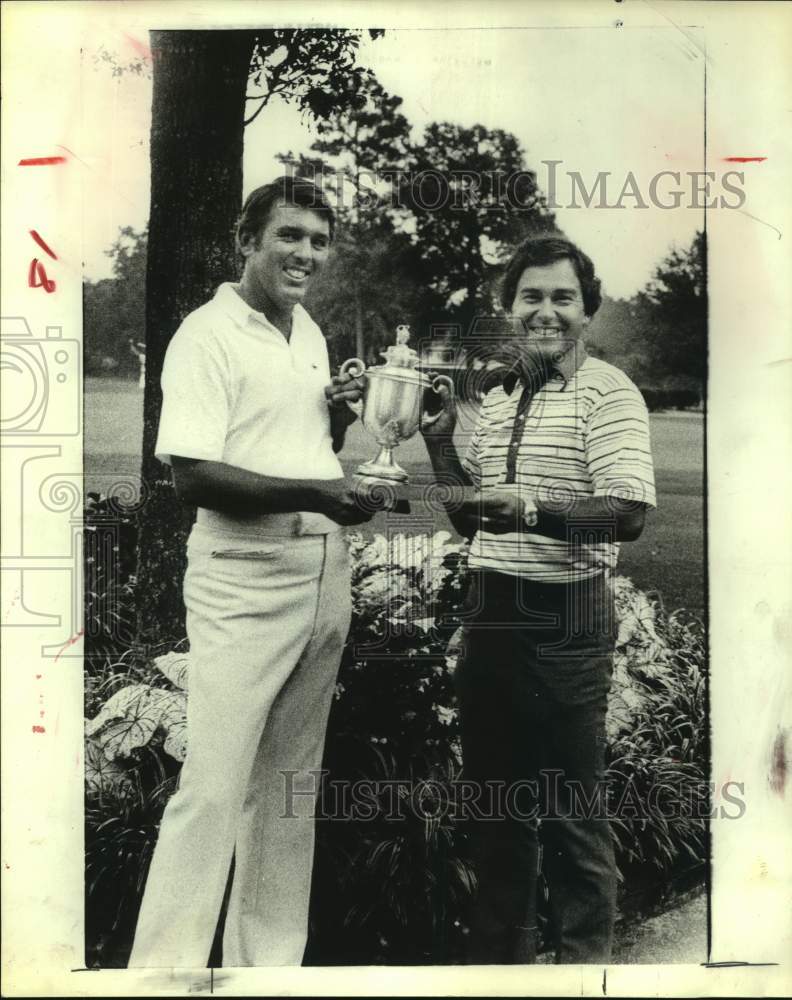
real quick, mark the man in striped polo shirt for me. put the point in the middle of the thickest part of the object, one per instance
(557, 473)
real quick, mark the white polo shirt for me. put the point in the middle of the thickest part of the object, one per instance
(236, 391)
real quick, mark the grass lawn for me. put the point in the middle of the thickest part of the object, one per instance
(668, 558)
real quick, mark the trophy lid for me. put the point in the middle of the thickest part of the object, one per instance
(399, 355)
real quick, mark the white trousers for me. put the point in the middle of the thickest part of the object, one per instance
(267, 618)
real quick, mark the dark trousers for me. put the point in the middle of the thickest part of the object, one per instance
(532, 682)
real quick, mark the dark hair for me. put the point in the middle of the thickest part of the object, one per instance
(294, 191)
(544, 249)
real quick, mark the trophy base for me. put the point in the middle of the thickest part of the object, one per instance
(380, 473)
(377, 494)
(384, 467)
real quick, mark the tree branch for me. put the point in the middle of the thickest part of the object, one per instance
(258, 110)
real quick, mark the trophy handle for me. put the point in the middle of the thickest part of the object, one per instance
(439, 380)
(348, 366)
(354, 367)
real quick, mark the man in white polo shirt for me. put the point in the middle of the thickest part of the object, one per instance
(561, 469)
(250, 424)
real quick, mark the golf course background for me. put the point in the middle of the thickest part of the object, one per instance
(667, 561)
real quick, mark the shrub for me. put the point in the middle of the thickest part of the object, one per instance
(670, 398)
(657, 742)
(392, 886)
(683, 399)
(110, 538)
(653, 399)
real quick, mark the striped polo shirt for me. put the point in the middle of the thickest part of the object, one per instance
(583, 436)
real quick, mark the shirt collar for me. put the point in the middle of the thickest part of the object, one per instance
(231, 302)
(564, 369)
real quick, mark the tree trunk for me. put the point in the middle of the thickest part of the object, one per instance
(197, 117)
(360, 343)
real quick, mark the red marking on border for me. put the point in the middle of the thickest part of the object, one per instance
(142, 50)
(38, 729)
(37, 277)
(744, 159)
(42, 244)
(42, 161)
(70, 642)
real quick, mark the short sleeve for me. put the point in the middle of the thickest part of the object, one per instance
(618, 447)
(195, 397)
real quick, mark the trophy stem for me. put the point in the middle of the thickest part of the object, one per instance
(384, 466)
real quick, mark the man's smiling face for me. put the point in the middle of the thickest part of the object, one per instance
(290, 250)
(548, 308)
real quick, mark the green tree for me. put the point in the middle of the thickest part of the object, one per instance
(470, 198)
(424, 228)
(674, 309)
(659, 336)
(99, 344)
(370, 285)
(200, 106)
(618, 335)
(373, 281)
(367, 132)
(114, 308)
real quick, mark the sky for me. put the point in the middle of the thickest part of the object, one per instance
(595, 100)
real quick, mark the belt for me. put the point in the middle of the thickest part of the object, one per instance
(297, 523)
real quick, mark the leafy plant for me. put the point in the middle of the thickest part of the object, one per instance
(658, 764)
(124, 804)
(392, 874)
(109, 538)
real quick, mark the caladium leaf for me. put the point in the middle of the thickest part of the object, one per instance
(175, 666)
(134, 714)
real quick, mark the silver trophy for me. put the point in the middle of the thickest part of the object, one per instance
(391, 404)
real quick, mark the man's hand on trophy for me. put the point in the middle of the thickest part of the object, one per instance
(342, 395)
(380, 496)
(438, 419)
(504, 509)
(341, 503)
